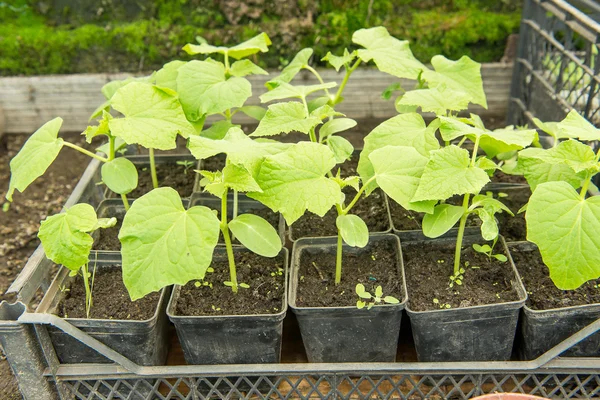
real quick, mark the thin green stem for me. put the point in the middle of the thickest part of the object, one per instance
(111, 148)
(461, 233)
(357, 196)
(88, 291)
(228, 115)
(125, 201)
(585, 187)
(84, 151)
(228, 246)
(318, 76)
(235, 209)
(153, 168)
(338, 259)
(462, 141)
(340, 90)
(226, 63)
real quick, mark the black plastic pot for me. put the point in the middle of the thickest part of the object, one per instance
(143, 342)
(159, 159)
(230, 339)
(543, 329)
(478, 333)
(245, 204)
(347, 334)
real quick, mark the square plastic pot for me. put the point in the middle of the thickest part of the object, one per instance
(230, 339)
(347, 334)
(478, 333)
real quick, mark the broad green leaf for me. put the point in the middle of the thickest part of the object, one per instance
(325, 111)
(167, 75)
(389, 54)
(490, 204)
(34, 158)
(353, 229)
(575, 154)
(402, 109)
(109, 89)
(294, 181)
(397, 170)
(65, 236)
(552, 128)
(151, 117)
(566, 229)
(287, 91)
(437, 100)
(238, 178)
(104, 107)
(291, 70)
(391, 300)
(162, 244)
(444, 217)
(463, 75)
(218, 130)
(318, 103)
(489, 225)
(401, 130)
(120, 175)
(97, 130)
(506, 140)
(285, 118)
(341, 148)
(259, 43)
(338, 62)
(486, 163)
(452, 128)
(336, 125)
(255, 112)
(578, 127)
(447, 173)
(204, 89)
(257, 234)
(538, 171)
(246, 67)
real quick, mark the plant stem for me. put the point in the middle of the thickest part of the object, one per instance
(84, 151)
(226, 63)
(315, 73)
(584, 188)
(125, 201)
(228, 246)
(235, 208)
(88, 291)
(340, 90)
(111, 148)
(228, 114)
(153, 168)
(338, 259)
(358, 194)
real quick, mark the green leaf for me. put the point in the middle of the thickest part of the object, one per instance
(104, 223)
(389, 54)
(238, 178)
(285, 118)
(38, 152)
(152, 117)
(402, 109)
(255, 112)
(447, 173)
(120, 175)
(325, 111)
(490, 204)
(338, 62)
(294, 181)
(218, 130)
(578, 127)
(485, 249)
(257, 234)
(444, 217)
(204, 89)
(500, 257)
(397, 170)
(391, 300)
(506, 140)
(489, 225)
(360, 289)
(353, 229)
(341, 148)
(552, 128)
(109, 89)
(336, 125)
(291, 70)
(378, 291)
(246, 67)
(565, 228)
(360, 304)
(486, 164)
(437, 100)
(463, 75)
(65, 236)
(98, 130)
(162, 244)
(401, 130)
(287, 91)
(318, 103)
(575, 154)
(167, 75)
(259, 43)
(105, 148)
(452, 128)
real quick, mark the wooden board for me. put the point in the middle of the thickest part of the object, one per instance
(29, 102)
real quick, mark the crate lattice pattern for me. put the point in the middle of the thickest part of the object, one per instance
(367, 386)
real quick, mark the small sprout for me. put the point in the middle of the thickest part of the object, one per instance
(488, 251)
(245, 285)
(448, 306)
(272, 273)
(73, 273)
(187, 164)
(6, 207)
(500, 257)
(210, 269)
(64, 289)
(441, 305)
(497, 295)
(378, 298)
(197, 284)
(467, 264)
(373, 257)
(458, 282)
(228, 283)
(461, 270)
(436, 301)
(360, 304)
(501, 194)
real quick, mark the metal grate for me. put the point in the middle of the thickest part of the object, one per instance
(362, 385)
(558, 63)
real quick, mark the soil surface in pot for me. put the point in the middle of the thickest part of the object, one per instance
(501, 177)
(429, 266)
(514, 229)
(108, 239)
(541, 291)
(265, 295)
(405, 220)
(375, 265)
(214, 163)
(168, 174)
(110, 299)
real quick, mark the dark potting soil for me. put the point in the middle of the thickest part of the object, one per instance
(375, 265)
(371, 209)
(172, 175)
(542, 293)
(215, 163)
(428, 268)
(110, 299)
(108, 239)
(514, 229)
(405, 220)
(265, 295)
(501, 177)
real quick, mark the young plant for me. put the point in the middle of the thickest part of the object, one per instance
(372, 300)
(42, 148)
(562, 222)
(67, 241)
